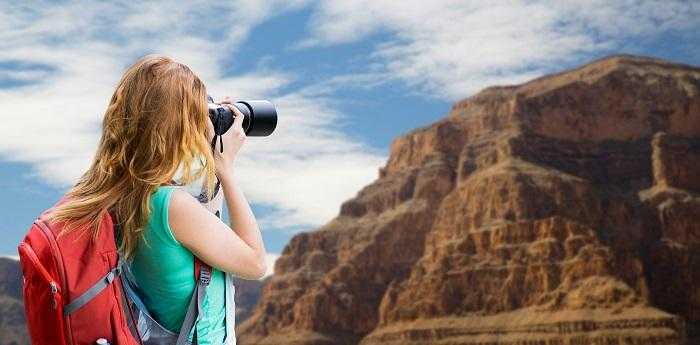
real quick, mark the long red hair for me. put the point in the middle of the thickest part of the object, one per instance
(155, 125)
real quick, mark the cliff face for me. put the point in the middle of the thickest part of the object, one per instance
(560, 211)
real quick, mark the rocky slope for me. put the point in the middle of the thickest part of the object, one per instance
(247, 294)
(12, 322)
(559, 211)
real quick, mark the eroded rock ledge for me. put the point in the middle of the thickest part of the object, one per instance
(560, 211)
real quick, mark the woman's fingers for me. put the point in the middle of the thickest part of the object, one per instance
(238, 121)
(239, 116)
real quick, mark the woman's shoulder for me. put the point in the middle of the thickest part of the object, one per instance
(160, 197)
(165, 190)
(177, 207)
(160, 202)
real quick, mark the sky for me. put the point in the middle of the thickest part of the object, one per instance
(346, 77)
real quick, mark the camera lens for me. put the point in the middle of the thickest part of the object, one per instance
(260, 117)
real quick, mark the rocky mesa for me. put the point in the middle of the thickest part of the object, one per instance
(564, 210)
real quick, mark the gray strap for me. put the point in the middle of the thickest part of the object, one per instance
(126, 272)
(188, 322)
(194, 310)
(128, 286)
(94, 290)
(200, 300)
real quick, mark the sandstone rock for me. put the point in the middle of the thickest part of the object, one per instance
(560, 211)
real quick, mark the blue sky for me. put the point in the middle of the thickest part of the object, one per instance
(346, 76)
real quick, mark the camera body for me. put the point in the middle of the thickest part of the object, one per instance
(260, 117)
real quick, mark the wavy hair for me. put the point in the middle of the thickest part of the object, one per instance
(154, 127)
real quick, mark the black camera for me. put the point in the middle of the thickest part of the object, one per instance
(260, 117)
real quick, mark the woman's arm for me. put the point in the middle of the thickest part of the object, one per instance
(243, 221)
(240, 252)
(214, 242)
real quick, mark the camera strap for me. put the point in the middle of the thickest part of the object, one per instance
(221, 143)
(213, 148)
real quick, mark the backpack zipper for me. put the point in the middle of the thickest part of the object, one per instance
(58, 259)
(54, 291)
(54, 248)
(29, 253)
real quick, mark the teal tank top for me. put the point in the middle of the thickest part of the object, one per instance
(164, 270)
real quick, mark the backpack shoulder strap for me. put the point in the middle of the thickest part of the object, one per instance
(194, 309)
(99, 285)
(94, 290)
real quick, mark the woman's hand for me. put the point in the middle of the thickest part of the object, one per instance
(232, 140)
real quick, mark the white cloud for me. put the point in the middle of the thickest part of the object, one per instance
(303, 171)
(73, 55)
(270, 259)
(451, 48)
(16, 257)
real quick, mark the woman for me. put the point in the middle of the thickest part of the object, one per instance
(155, 127)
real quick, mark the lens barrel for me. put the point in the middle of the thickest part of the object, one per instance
(260, 117)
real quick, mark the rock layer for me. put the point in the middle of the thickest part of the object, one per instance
(559, 211)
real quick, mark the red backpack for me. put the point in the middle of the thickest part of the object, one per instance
(78, 292)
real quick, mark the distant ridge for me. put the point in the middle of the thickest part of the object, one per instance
(12, 321)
